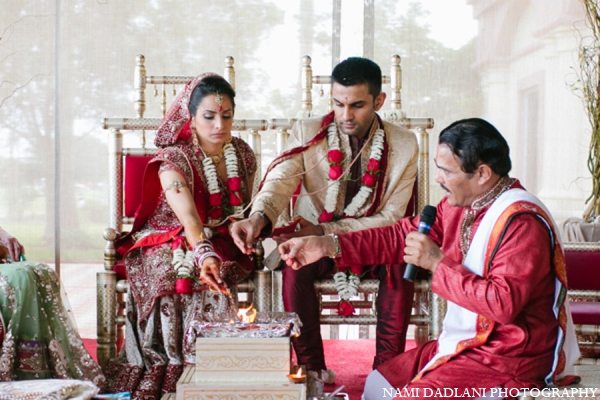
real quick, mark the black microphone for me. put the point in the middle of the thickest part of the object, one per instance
(427, 219)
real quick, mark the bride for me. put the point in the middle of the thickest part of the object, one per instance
(180, 244)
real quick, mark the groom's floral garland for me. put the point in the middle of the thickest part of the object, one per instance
(369, 179)
(183, 257)
(346, 283)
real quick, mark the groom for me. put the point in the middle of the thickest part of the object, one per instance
(354, 172)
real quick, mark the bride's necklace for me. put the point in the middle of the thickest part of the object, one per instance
(216, 158)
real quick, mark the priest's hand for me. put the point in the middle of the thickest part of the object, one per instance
(298, 252)
(307, 228)
(245, 232)
(420, 250)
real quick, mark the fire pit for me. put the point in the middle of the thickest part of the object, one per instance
(240, 359)
(261, 325)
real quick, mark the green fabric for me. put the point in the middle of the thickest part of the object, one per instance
(41, 340)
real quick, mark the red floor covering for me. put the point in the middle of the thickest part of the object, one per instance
(350, 359)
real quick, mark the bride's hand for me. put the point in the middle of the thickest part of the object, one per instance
(210, 274)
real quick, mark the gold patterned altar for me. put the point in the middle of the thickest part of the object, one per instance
(239, 368)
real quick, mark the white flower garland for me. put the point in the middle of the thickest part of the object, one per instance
(183, 262)
(231, 163)
(346, 284)
(332, 192)
(365, 192)
(210, 171)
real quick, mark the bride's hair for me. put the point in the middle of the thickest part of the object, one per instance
(210, 85)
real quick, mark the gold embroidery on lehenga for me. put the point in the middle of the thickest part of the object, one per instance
(31, 356)
(8, 351)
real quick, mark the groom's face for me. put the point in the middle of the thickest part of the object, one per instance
(354, 108)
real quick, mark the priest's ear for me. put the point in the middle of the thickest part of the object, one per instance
(484, 174)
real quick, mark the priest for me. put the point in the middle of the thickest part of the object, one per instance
(495, 256)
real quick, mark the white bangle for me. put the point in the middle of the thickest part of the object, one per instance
(204, 256)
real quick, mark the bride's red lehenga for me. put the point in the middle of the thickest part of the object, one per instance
(155, 349)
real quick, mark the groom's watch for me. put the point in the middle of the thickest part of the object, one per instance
(338, 249)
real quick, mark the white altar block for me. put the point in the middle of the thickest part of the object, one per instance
(189, 389)
(237, 360)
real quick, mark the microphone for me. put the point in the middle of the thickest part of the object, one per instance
(427, 219)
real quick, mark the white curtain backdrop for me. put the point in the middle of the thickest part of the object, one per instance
(65, 65)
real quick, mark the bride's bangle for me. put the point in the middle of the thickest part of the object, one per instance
(209, 254)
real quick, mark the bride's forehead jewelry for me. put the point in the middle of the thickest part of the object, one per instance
(219, 100)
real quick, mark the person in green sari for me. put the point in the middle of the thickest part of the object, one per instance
(38, 335)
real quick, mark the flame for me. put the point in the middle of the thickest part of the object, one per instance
(299, 374)
(247, 315)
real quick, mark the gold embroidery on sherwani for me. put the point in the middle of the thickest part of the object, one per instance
(470, 213)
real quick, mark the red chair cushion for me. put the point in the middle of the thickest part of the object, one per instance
(133, 177)
(120, 270)
(585, 312)
(583, 270)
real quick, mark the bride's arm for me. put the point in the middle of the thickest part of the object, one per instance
(180, 200)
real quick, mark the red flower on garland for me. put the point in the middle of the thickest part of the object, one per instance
(234, 184)
(335, 156)
(373, 165)
(235, 199)
(178, 243)
(183, 286)
(357, 269)
(326, 216)
(216, 213)
(345, 308)
(335, 171)
(369, 180)
(215, 199)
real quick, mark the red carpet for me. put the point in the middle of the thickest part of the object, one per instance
(350, 359)
(90, 345)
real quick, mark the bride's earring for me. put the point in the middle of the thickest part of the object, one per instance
(195, 138)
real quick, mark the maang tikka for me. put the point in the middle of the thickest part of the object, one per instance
(219, 100)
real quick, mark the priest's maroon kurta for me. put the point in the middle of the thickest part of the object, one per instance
(518, 294)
